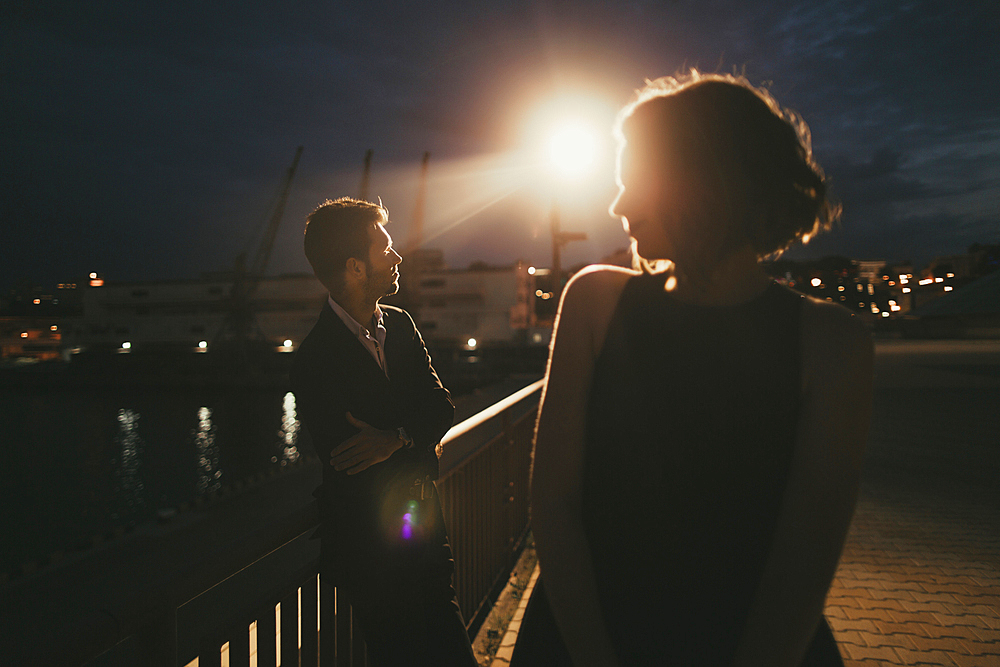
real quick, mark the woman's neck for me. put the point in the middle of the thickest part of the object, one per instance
(735, 278)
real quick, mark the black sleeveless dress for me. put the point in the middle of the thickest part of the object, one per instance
(691, 423)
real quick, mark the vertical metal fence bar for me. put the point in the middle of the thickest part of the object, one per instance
(343, 631)
(266, 639)
(359, 652)
(310, 612)
(210, 654)
(239, 646)
(290, 629)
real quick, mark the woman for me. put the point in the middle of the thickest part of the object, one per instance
(702, 427)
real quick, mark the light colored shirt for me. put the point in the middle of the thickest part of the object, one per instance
(374, 343)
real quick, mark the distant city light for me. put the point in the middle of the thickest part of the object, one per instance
(948, 288)
(287, 343)
(472, 342)
(840, 288)
(861, 287)
(885, 314)
(37, 301)
(875, 308)
(93, 275)
(906, 290)
(950, 275)
(538, 292)
(531, 270)
(53, 328)
(24, 334)
(203, 344)
(815, 282)
(871, 288)
(939, 280)
(926, 281)
(126, 345)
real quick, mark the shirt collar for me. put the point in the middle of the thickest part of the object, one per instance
(356, 328)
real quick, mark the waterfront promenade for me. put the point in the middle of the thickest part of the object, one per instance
(919, 580)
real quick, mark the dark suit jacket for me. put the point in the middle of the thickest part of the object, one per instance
(333, 373)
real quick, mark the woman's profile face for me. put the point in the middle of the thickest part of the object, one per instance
(670, 210)
(651, 205)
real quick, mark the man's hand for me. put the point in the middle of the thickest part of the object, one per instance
(365, 449)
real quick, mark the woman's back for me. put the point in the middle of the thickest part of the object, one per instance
(690, 430)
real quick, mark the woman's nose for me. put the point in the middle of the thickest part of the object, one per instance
(617, 208)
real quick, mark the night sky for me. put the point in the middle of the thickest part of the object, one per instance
(147, 140)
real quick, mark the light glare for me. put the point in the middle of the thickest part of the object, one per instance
(572, 149)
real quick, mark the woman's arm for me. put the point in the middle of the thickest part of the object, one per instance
(584, 312)
(822, 488)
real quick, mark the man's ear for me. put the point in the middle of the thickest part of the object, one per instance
(355, 269)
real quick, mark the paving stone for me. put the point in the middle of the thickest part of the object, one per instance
(970, 620)
(900, 640)
(946, 644)
(885, 655)
(957, 631)
(908, 657)
(862, 625)
(974, 661)
(890, 627)
(987, 634)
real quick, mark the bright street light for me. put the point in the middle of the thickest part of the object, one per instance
(572, 149)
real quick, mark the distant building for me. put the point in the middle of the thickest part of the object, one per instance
(870, 270)
(486, 305)
(191, 313)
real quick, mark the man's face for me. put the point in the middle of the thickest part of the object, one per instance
(383, 276)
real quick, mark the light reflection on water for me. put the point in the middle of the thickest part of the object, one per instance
(289, 432)
(209, 473)
(124, 457)
(128, 464)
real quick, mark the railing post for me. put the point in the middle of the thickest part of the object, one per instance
(266, 640)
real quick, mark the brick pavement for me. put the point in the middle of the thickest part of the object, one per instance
(919, 579)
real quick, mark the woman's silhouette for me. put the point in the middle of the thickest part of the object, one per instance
(702, 428)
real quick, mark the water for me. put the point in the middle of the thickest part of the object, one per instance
(83, 463)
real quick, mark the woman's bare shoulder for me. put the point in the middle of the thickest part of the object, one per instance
(599, 279)
(590, 298)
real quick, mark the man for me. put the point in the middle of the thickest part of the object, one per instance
(375, 410)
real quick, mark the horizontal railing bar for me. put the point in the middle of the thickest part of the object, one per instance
(489, 413)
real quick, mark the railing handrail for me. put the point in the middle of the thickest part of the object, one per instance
(489, 413)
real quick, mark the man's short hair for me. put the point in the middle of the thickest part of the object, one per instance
(336, 231)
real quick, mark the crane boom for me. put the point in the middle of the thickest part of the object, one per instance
(267, 243)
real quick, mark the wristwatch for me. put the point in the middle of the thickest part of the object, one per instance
(405, 437)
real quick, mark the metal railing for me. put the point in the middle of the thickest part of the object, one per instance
(260, 595)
